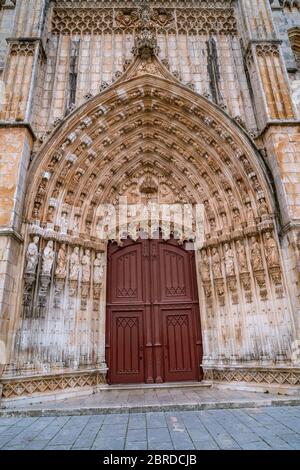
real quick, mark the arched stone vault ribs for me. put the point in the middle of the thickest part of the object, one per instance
(148, 136)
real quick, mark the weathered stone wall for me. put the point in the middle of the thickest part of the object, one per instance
(100, 53)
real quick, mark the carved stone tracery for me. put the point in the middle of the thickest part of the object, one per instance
(200, 20)
(22, 47)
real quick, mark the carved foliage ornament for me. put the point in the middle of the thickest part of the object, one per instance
(145, 45)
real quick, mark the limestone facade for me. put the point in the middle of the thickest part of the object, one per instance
(174, 101)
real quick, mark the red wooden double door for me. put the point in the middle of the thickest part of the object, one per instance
(153, 330)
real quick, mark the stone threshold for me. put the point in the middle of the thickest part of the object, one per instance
(155, 407)
(144, 386)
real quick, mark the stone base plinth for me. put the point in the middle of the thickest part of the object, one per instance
(283, 380)
(54, 386)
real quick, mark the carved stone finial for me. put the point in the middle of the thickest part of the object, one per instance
(145, 12)
(145, 45)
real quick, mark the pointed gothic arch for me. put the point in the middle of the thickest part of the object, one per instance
(148, 117)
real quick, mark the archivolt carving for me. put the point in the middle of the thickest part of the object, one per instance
(204, 160)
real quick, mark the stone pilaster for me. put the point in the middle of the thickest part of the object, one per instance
(280, 22)
(265, 63)
(24, 53)
(277, 118)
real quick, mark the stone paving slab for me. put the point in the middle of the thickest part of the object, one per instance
(269, 428)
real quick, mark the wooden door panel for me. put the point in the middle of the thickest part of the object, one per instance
(174, 274)
(126, 281)
(152, 306)
(179, 345)
(127, 355)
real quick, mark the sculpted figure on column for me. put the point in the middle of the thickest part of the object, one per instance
(229, 260)
(263, 207)
(249, 212)
(61, 266)
(256, 258)
(74, 264)
(86, 266)
(98, 269)
(48, 259)
(216, 263)
(241, 255)
(204, 266)
(272, 254)
(236, 217)
(32, 256)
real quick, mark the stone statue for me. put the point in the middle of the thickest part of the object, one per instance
(64, 222)
(48, 259)
(74, 264)
(61, 266)
(256, 258)
(98, 269)
(86, 266)
(216, 263)
(204, 266)
(272, 254)
(50, 214)
(32, 256)
(263, 207)
(230, 197)
(241, 256)
(76, 224)
(36, 210)
(249, 210)
(229, 260)
(236, 217)
(212, 224)
(224, 219)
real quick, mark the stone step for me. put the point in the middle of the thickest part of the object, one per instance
(167, 385)
(144, 408)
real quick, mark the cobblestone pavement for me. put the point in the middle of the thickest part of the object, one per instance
(255, 428)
